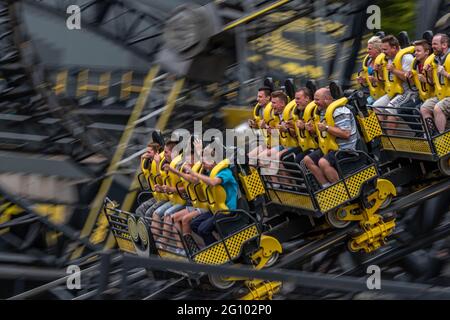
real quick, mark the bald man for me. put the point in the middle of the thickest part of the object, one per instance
(346, 133)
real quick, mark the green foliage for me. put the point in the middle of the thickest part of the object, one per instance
(397, 16)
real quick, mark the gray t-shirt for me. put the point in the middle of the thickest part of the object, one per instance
(344, 119)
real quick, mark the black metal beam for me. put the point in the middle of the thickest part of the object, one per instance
(300, 278)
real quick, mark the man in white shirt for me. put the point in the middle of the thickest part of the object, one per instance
(391, 47)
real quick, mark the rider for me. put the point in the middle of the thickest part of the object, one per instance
(404, 94)
(435, 108)
(376, 88)
(146, 160)
(422, 50)
(345, 131)
(203, 224)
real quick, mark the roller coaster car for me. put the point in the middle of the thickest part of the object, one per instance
(240, 232)
(357, 196)
(413, 138)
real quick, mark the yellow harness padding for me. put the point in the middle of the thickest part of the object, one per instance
(145, 171)
(394, 86)
(158, 179)
(272, 120)
(327, 142)
(197, 194)
(265, 116)
(217, 195)
(256, 115)
(425, 90)
(172, 180)
(286, 139)
(376, 91)
(441, 84)
(304, 138)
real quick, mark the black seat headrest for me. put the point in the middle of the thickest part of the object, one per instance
(336, 90)
(268, 83)
(289, 88)
(380, 34)
(311, 85)
(403, 38)
(428, 36)
(158, 138)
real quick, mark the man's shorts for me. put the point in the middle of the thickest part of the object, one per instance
(160, 211)
(200, 210)
(443, 104)
(290, 154)
(174, 209)
(391, 105)
(316, 155)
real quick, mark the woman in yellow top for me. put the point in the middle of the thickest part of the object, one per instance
(376, 88)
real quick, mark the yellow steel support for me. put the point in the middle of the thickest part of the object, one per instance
(83, 85)
(127, 86)
(106, 183)
(254, 15)
(161, 125)
(61, 83)
(261, 290)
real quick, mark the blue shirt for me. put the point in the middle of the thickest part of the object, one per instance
(230, 185)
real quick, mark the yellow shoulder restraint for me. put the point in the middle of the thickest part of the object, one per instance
(158, 179)
(256, 115)
(327, 142)
(287, 140)
(217, 195)
(173, 181)
(425, 90)
(376, 91)
(441, 83)
(305, 140)
(197, 194)
(394, 86)
(267, 116)
(146, 170)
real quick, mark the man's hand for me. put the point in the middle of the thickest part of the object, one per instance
(322, 126)
(198, 148)
(158, 188)
(187, 170)
(157, 158)
(166, 167)
(441, 71)
(390, 67)
(282, 127)
(409, 74)
(361, 80)
(251, 123)
(310, 126)
(422, 78)
(263, 125)
(427, 67)
(300, 124)
(289, 124)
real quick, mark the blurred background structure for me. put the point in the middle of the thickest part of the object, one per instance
(77, 107)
